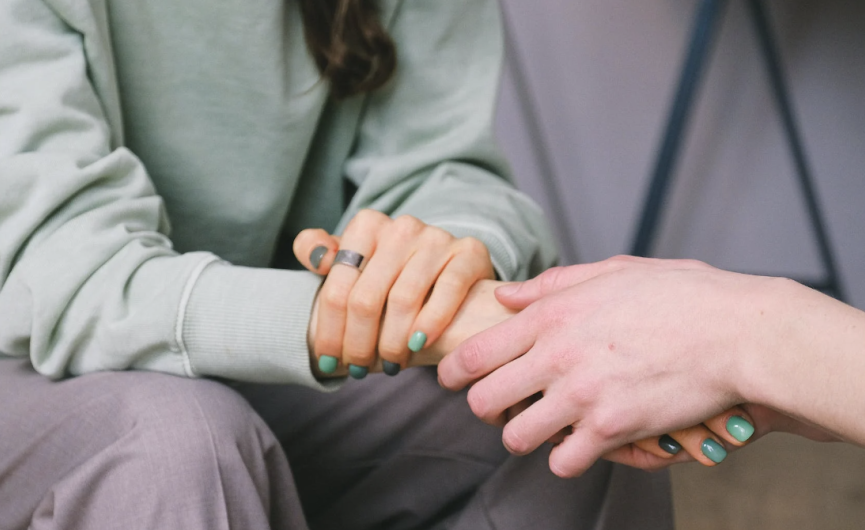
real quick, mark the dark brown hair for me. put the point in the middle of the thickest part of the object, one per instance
(351, 48)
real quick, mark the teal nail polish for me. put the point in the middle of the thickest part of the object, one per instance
(327, 364)
(417, 341)
(358, 372)
(740, 428)
(668, 444)
(713, 451)
(390, 368)
(316, 256)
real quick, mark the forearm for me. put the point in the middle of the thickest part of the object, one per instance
(807, 360)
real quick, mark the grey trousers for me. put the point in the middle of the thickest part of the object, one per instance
(136, 450)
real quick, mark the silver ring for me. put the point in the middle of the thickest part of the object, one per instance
(350, 258)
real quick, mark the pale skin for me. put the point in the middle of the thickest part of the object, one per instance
(421, 273)
(419, 277)
(630, 348)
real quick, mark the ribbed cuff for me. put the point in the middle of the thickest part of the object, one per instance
(250, 324)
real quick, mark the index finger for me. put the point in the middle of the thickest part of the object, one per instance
(488, 350)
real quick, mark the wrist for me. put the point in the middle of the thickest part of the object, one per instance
(772, 324)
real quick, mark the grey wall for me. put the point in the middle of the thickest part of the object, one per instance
(600, 74)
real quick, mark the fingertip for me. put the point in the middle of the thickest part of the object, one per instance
(327, 364)
(417, 341)
(394, 356)
(314, 248)
(713, 450)
(509, 295)
(514, 443)
(508, 289)
(452, 369)
(390, 368)
(740, 428)
(316, 256)
(560, 471)
(734, 426)
(576, 454)
(357, 371)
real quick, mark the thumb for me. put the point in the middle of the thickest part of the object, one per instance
(519, 295)
(315, 249)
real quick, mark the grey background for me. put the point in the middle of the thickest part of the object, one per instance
(601, 74)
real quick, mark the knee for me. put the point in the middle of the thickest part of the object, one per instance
(191, 423)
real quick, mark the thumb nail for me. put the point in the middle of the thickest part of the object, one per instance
(508, 290)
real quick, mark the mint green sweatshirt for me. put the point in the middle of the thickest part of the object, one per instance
(154, 153)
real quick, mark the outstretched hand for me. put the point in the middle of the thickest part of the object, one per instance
(621, 350)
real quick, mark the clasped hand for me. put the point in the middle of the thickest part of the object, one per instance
(412, 282)
(422, 292)
(623, 351)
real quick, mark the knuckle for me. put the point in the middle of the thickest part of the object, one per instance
(560, 361)
(550, 279)
(363, 305)
(334, 300)
(580, 395)
(368, 214)
(435, 236)
(606, 425)
(471, 358)
(404, 300)
(473, 246)
(450, 283)
(366, 219)
(407, 225)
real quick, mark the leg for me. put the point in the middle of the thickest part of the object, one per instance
(136, 450)
(399, 453)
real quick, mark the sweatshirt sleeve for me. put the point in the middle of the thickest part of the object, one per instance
(88, 277)
(425, 143)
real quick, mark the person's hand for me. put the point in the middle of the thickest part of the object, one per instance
(622, 350)
(479, 311)
(729, 431)
(421, 275)
(707, 443)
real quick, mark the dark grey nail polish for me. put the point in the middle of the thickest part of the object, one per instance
(316, 256)
(390, 368)
(669, 445)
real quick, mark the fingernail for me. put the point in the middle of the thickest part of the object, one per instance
(390, 368)
(669, 445)
(316, 256)
(509, 289)
(740, 428)
(713, 451)
(358, 372)
(327, 364)
(417, 341)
